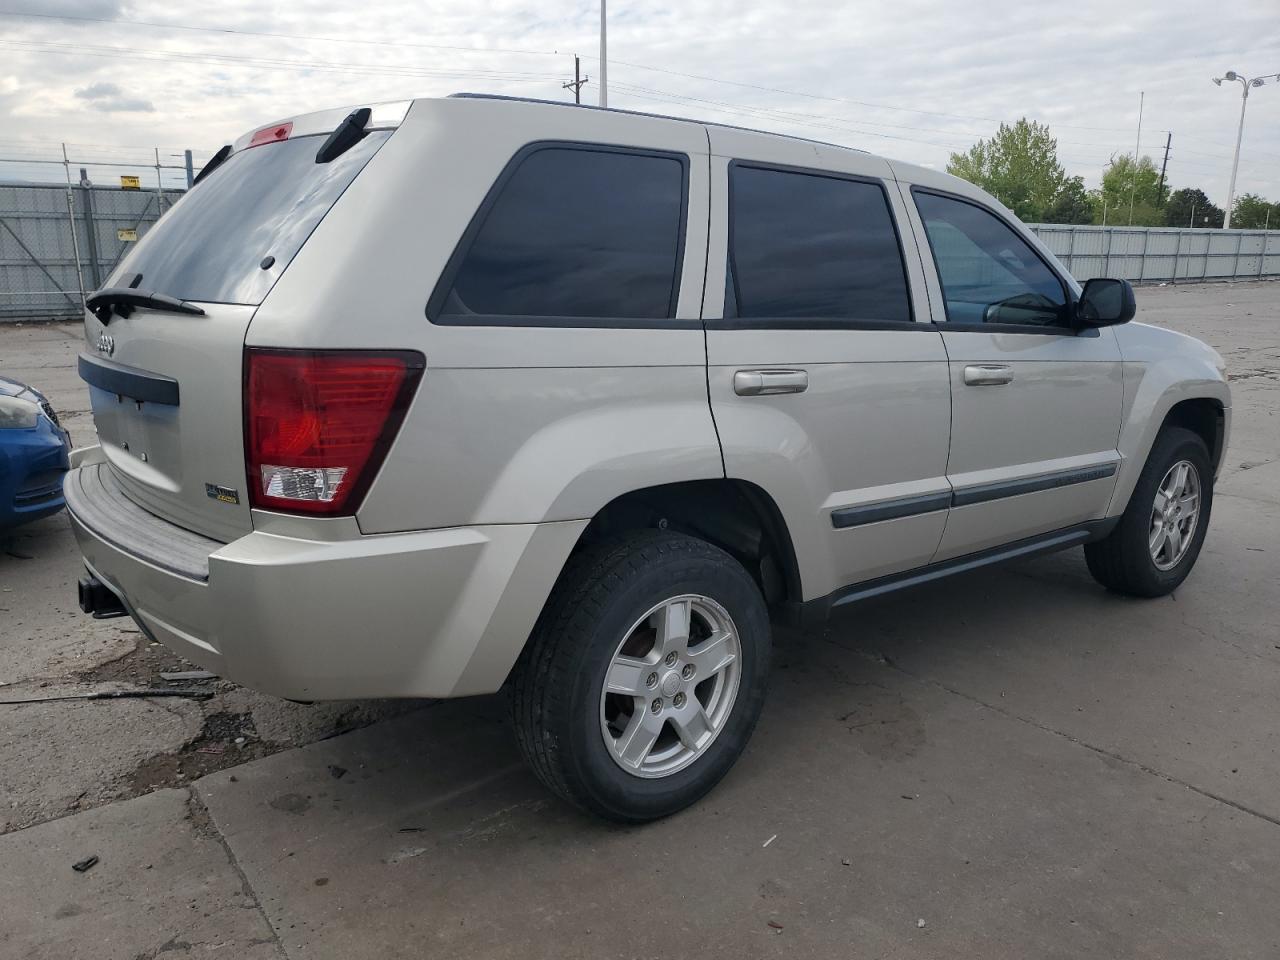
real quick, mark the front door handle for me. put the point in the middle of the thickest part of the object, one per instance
(759, 383)
(987, 374)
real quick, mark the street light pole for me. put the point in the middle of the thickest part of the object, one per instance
(1246, 83)
(604, 69)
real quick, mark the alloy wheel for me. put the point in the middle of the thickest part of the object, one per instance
(670, 686)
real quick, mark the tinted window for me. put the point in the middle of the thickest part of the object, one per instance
(262, 201)
(989, 274)
(577, 233)
(811, 246)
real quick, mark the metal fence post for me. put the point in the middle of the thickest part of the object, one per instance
(1235, 267)
(1262, 253)
(159, 185)
(1177, 256)
(71, 222)
(1106, 255)
(186, 159)
(90, 229)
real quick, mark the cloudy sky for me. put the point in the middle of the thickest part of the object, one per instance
(915, 79)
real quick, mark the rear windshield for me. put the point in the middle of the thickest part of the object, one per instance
(261, 202)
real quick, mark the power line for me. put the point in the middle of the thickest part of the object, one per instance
(493, 75)
(277, 36)
(332, 66)
(527, 52)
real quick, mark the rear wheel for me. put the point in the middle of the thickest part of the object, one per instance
(644, 677)
(1159, 536)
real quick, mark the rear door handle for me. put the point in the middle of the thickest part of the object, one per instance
(987, 374)
(759, 383)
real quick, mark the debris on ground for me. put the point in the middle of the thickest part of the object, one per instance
(112, 695)
(769, 841)
(845, 862)
(179, 675)
(775, 925)
(86, 864)
(336, 771)
(920, 924)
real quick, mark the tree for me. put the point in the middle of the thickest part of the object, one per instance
(1251, 212)
(1188, 201)
(1072, 205)
(1123, 178)
(1018, 166)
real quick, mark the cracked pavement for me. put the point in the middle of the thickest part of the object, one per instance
(1029, 765)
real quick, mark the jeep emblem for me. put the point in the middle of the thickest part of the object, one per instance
(106, 344)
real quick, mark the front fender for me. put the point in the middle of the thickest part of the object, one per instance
(1161, 369)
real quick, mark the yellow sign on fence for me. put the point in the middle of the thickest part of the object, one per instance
(126, 236)
(130, 183)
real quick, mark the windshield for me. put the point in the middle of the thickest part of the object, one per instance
(262, 202)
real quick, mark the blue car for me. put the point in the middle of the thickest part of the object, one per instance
(34, 453)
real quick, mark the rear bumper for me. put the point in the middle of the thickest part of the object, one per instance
(438, 613)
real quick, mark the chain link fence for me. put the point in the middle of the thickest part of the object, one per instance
(57, 243)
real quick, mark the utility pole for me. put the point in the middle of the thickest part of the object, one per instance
(604, 69)
(1193, 215)
(578, 80)
(1133, 180)
(1167, 141)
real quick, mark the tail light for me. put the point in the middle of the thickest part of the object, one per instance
(318, 424)
(272, 134)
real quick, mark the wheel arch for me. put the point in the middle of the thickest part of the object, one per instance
(1203, 408)
(1203, 416)
(737, 516)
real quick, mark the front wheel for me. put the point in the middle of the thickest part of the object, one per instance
(644, 677)
(1155, 545)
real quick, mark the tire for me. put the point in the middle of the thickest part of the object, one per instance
(598, 611)
(1123, 561)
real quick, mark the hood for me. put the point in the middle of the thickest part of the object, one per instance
(12, 388)
(1142, 341)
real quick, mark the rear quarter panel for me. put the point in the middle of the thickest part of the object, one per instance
(510, 424)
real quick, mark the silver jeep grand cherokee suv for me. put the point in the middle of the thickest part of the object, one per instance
(422, 399)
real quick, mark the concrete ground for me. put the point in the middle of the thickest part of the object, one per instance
(1012, 763)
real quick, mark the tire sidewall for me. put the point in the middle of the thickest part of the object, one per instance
(612, 788)
(1174, 446)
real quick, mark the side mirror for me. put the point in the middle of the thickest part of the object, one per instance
(1105, 302)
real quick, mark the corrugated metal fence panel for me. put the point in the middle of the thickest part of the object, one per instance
(38, 275)
(1162, 254)
(39, 280)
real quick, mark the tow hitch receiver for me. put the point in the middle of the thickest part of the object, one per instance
(96, 598)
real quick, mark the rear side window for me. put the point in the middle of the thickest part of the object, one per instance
(989, 274)
(261, 202)
(574, 233)
(809, 246)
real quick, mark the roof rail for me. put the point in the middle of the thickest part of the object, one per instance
(644, 113)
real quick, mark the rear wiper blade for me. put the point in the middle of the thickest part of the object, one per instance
(122, 300)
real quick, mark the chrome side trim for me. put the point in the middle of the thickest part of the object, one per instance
(844, 517)
(983, 492)
(889, 510)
